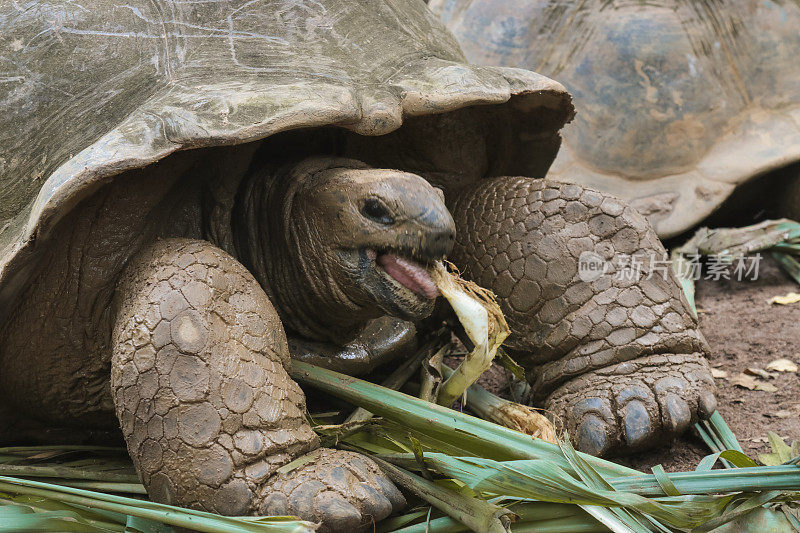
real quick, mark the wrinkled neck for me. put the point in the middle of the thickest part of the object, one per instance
(281, 248)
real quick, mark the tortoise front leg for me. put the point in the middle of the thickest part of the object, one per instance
(206, 406)
(619, 359)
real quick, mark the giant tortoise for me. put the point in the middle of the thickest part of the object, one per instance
(186, 184)
(678, 102)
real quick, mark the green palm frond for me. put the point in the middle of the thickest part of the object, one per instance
(480, 477)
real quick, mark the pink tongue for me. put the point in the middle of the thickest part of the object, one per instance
(410, 274)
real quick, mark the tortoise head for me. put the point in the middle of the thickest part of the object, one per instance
(335, 243)
(375, 230)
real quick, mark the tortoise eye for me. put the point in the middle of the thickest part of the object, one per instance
(374, 210)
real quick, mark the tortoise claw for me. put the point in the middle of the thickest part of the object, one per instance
(392, 493)
(678, 416)
(593, 435)
(706, 405)
(338, 513)
(637, 424)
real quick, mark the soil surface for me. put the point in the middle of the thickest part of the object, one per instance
(744, 330)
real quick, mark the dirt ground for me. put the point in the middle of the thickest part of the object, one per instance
(743, 330)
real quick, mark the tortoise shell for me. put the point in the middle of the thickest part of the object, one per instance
(95, 89)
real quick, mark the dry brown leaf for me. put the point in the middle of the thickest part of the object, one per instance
(749, 382)
(744, 381)
(755, 371)
(782, 365)
(791, 298)
(719, 374)
(766, 387)
(526, 420)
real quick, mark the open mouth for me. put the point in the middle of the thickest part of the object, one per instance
(407, 273)
(399, 281)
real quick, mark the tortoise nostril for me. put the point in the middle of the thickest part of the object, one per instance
(374, 210)
(441, 243)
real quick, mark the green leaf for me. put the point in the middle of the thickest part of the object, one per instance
(734, 457)
(743, 508)
(475, 513)
(541, 480)
(664, 481)
(143, 525)
(507, 362)
(470, 460)
(789, 264)
(118, 505)
(781, 452)
(779, 447)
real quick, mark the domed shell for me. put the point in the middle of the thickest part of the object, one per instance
(677, 103)
(92, 88)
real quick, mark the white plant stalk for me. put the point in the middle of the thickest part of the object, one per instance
(477, 310)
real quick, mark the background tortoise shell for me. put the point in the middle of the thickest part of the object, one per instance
(678, 102)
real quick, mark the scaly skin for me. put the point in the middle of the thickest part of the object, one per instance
(618, 360)
(206, 406)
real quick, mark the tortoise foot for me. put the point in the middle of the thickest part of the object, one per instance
(343, 490)
(636, 404)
